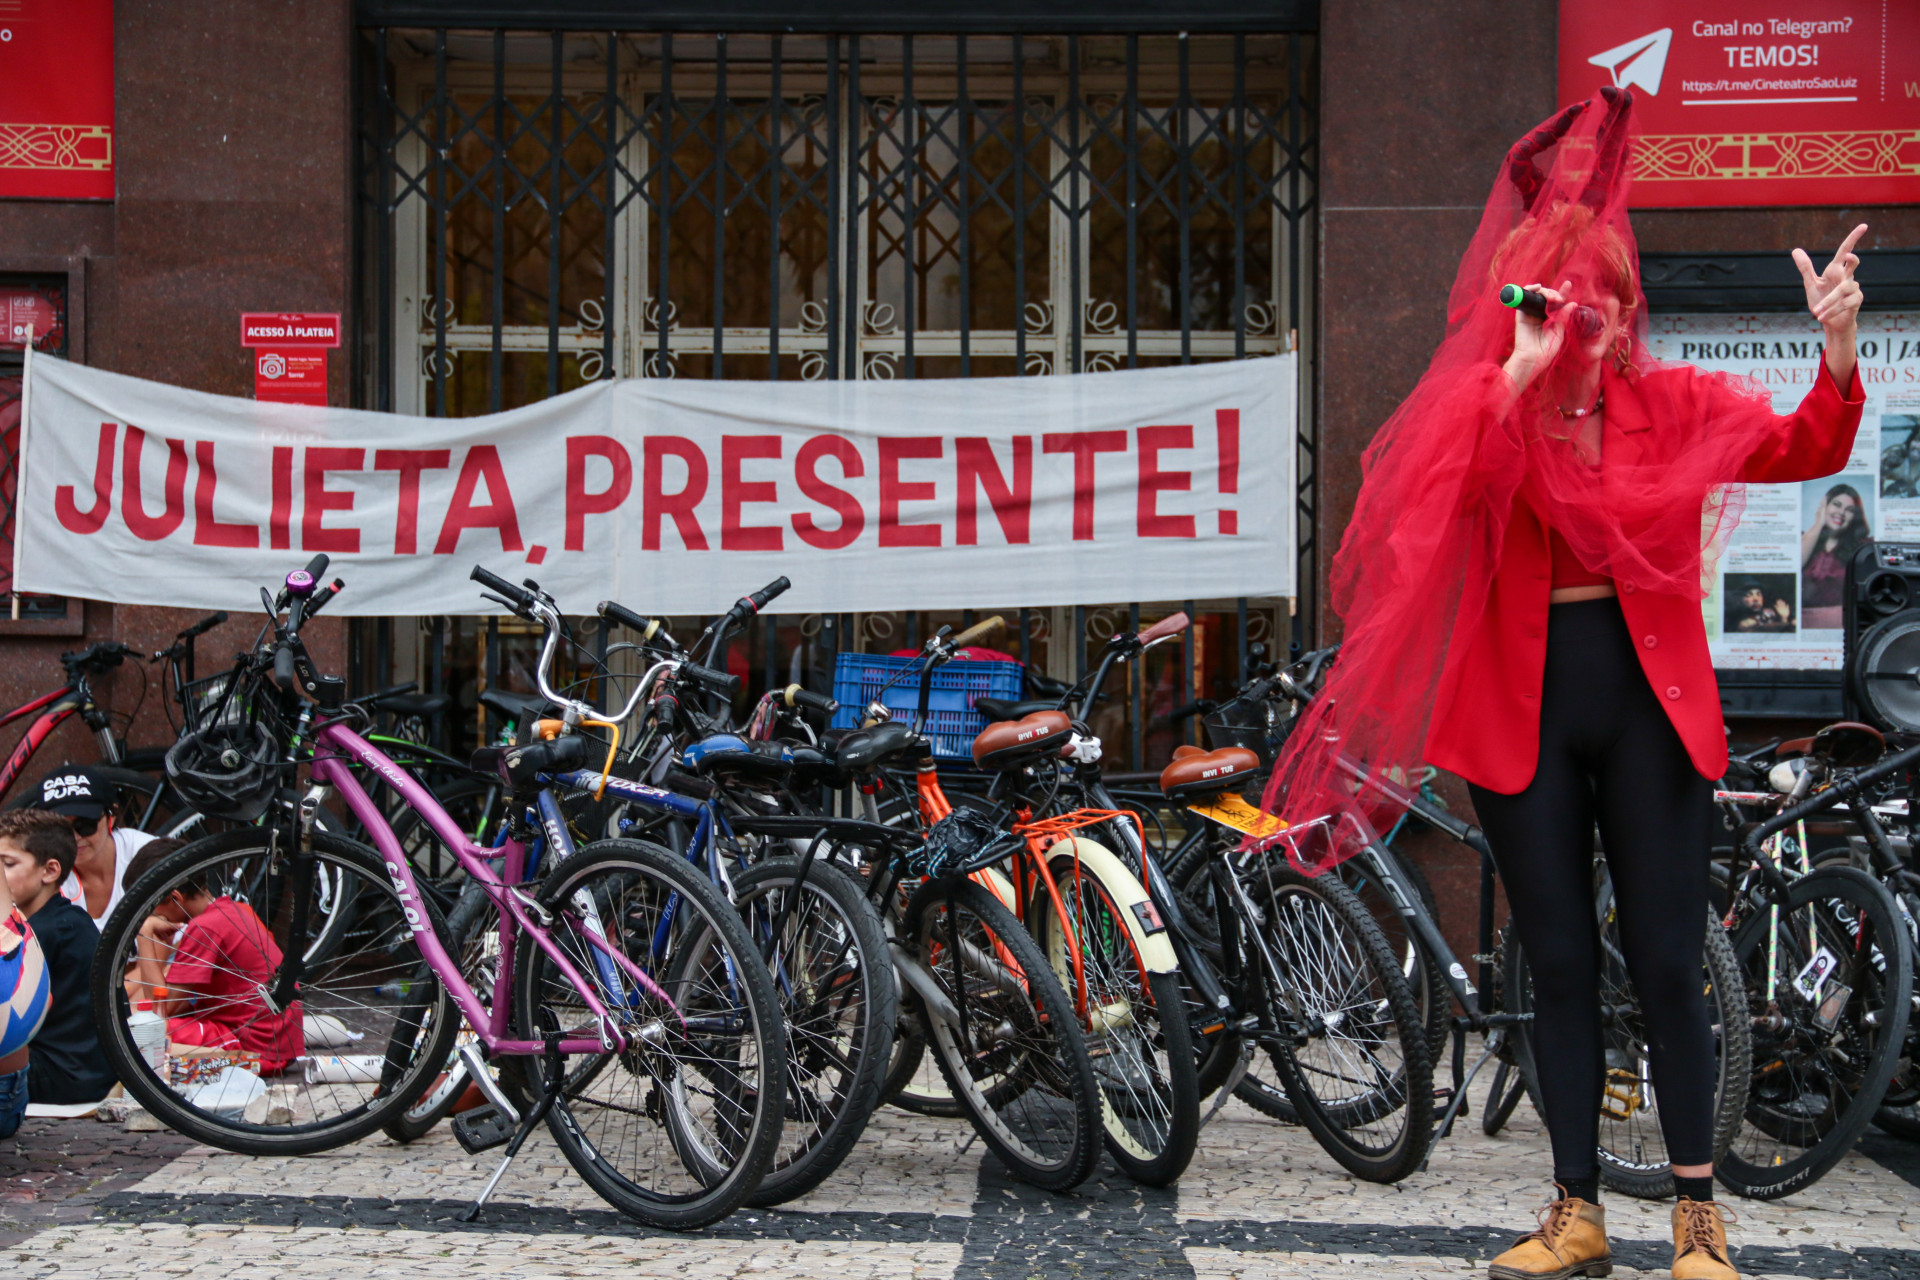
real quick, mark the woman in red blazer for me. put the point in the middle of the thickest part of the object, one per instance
(1521, 586)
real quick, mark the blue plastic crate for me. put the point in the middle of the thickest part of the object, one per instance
(952, 723)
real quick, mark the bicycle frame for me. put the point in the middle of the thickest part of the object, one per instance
(55, 709)
(333, 745)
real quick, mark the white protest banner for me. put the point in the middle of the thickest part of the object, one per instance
(674, 496)
(1775, 599)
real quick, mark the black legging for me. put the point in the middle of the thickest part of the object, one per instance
(1609, 753)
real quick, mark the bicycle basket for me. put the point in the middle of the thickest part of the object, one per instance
(230, 763)
(961, 843)
(205, 703)
(1246, 723)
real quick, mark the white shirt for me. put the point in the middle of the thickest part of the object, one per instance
(126, 843)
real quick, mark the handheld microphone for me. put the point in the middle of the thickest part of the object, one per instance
(1586, 321)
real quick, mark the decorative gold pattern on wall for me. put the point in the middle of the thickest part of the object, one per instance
(1860, 154)
(88, 148)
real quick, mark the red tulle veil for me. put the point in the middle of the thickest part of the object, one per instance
(1444, 474)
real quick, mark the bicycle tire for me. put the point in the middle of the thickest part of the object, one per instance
(848, 1050)
(471, 935)
(1150, 1090)
(378, 914)
(1623, 1153)
(1421, 968)
(1035, 1101)
(1325, 941)
(913, 1083)
(1857, 915)
(1503, 1097)
(648, 893)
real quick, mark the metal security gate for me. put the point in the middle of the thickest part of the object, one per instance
(540, 209)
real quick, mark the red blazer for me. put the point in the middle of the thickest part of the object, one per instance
(1486, 721)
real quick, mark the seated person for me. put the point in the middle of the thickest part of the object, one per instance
(36, 853)
(99, 874)
(203, 961)
(24, 992)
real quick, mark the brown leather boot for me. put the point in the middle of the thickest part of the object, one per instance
(1571, 1241)
(1700, 1241)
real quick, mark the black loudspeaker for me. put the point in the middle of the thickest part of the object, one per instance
(1881, 618)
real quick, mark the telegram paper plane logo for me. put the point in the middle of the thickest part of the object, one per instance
(1640, 61)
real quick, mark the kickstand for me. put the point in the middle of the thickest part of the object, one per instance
(1232, 1082)
(549, 1090)
(1457, 1103)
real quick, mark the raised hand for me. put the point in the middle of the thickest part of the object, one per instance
(1833, 296)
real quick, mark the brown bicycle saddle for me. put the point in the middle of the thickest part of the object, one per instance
(1009, 744)
(1194, 773)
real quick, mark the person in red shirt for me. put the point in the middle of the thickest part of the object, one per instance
(1521, 588)
(206, 961)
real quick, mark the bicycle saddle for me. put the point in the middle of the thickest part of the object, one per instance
(410, 704)
(521, 765)
(1000, 709)
(866, 748)
(733, 754)
(1849, 745)
(1194, 773)
(520, 708)
(1009, 744)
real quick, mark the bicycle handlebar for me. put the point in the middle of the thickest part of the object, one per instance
(752, 604)
(796, 696)
(723, 683)
(648, 628)
(283, 674)
(102, 655)
(519, 599)
(203, 626)
(978, 631)
(1172, 625)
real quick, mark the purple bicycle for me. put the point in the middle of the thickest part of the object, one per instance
(278, 989)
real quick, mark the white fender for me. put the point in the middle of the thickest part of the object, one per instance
(995, 882)
(1124, 887)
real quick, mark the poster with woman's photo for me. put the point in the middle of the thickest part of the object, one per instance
(1837, 515)
(1774, 598)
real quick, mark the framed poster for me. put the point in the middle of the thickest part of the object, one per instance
(56, 99)
(1757, 104)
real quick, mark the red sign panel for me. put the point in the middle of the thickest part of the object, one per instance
(292, 375)
(56, 99)
(1757, 103)
(35, 311)
(287, 328)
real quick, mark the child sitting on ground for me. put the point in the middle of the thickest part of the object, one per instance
(37, 851)
(23, 1006)
(206, 960)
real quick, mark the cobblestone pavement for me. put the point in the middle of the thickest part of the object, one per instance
(1261, 1202)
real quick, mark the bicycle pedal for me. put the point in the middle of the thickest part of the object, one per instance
(482, 1129)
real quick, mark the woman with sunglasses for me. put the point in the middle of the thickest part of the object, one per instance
(87, 799)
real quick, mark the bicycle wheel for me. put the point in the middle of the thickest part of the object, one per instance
(1010, 1047)
(233, 1074)
(834, 975)
(1150, 1093)
(1822, 1064)
(471, 935)
(914, 1081)
(1633, 1151)
(1351, 1049)
(1220, 1051)
(678, 1129)
(1421, 969)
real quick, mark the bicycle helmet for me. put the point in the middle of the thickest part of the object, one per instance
(226, 771)
(961, 843)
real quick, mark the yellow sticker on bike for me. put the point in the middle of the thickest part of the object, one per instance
(1232, 810)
